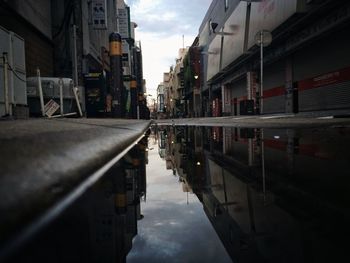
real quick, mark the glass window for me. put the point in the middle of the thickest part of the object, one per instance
(209, 25)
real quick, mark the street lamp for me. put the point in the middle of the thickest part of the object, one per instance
(263, 38)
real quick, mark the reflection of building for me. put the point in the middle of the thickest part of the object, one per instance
(251, 230)
(271, 195)
(100, 225)
(183, 153)
(162, 143)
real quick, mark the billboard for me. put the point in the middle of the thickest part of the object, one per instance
(99, 14)
(124, 22)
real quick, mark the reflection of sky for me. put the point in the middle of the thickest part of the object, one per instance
(172, 230)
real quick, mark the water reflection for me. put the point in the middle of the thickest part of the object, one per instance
(175, 227)
(100, 225)
(257, 195)
(271, 195)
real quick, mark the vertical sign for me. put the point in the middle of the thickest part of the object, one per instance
(124, 31)
(99, 14)
(123, 22)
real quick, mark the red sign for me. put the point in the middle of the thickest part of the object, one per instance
(325, 79)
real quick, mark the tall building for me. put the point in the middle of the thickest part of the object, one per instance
(306, 66)
(70, 39)
(177, 105)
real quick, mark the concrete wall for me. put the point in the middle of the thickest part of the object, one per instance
(32, 22)
(95, 39)
(36, 12)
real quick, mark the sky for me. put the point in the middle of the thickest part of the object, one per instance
(161, 27)
(175, 227)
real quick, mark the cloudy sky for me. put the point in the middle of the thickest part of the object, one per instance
(161, 25)
(175, 227)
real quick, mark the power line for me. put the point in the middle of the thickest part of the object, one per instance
(15, 73)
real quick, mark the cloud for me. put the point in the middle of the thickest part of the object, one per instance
(158, 55)
(161, 25)
(169, 233)
(167, 17)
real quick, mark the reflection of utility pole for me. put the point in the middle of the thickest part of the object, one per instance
(6, 87)
(187, 197)
(263, 165)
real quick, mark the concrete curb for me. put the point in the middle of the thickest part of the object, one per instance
(42, 161)
(268, 121)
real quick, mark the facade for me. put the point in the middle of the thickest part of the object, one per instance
(306, 67)
(160, 100)
(70, 39)
(192, 80)
(27, 40)
(31, 20)
(177, 105)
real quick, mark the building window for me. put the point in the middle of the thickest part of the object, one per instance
(209, 25)
(226, 5)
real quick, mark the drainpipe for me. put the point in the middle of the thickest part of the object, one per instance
(75, 60)
(246, 28)
(261, 72)
(40, 92)
(60, 84)
(6, 87)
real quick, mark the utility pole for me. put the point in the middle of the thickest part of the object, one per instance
(263, 38)
(75, 59)
(115, 53)
(6, 84)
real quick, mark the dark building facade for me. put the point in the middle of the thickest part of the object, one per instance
(32, 21)
(70, 39)
(306, 66)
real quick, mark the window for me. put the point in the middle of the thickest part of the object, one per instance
(209, 25)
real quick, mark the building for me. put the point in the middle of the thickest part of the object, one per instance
(160, 101)
(70, 39)
(192, 80)
(27, 40)
(306, 66)
(177, 105)
(167, 94)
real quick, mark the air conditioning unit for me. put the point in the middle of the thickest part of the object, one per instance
(13, 46)
(51, 91)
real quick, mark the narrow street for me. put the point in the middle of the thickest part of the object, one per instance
(174, 131)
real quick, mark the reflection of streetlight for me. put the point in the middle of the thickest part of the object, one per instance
(196, 76)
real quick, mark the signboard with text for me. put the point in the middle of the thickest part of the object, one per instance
(50, 108)
(123, 22)
(99, 14)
